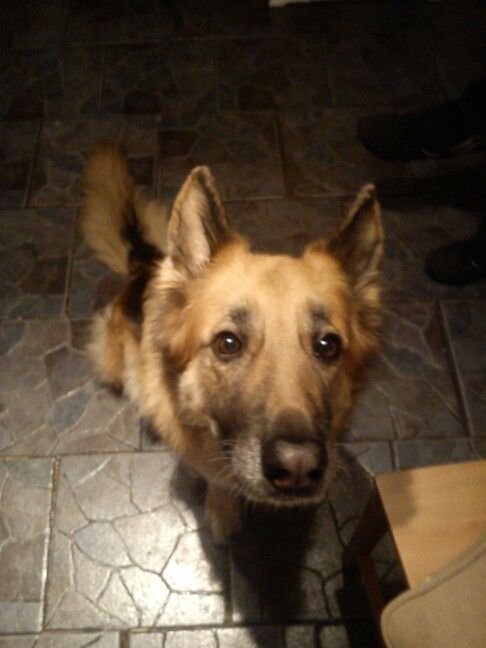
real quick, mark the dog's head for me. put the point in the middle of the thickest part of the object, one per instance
(263, 351)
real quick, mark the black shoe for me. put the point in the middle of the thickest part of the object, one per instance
(456, 264)
(440, 131)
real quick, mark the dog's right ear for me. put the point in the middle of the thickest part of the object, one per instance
(198, 224)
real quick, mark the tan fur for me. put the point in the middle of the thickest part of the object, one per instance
(108, 188)
(211, 282)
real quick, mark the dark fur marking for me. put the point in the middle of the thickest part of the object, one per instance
(141, 252)
(133, 296)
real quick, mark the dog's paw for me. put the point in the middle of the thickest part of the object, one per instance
(223, 514)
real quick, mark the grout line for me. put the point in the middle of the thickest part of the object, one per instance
(30, 179)
(48, 552)
(287, 193)
(456, 372)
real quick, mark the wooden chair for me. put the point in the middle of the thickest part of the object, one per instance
(432, 514)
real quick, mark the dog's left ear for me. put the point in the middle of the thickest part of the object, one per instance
(198, 224)
(357, 245)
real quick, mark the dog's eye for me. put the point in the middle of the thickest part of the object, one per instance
(328, 347)
(227, 344)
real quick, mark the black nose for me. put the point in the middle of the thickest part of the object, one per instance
(294, 465)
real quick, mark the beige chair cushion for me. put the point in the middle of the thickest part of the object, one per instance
(448, 610)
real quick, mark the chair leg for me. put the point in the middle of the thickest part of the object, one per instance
(370, 530)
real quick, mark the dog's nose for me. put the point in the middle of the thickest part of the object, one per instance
(294, 466)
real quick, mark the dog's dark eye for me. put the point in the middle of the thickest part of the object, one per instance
(227, 344)
(328, 347)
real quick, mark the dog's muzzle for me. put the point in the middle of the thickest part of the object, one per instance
(293, 458)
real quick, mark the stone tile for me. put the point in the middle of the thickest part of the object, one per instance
(250, 637)
(349, 494)
(147, 640)
(63, 147)
(25, 500)
(177, 80)
(50, 83)
(427, 453)
(351, 634)
(120, 22)
(412, 231)
(123, 553)
(217, 18)
(280, 565)
(343, 18)
(35, 24)
(190, 638)
(468, 16)
(51, 402)
(409, 392)
(479, 447)
(241, 149)
(263, 74)
(373, 457)
(61, 640)
(284, 226)
(382, 68)
(299, 636)
(35, 247)
(322, 155)
(465, 321)
(17, 149)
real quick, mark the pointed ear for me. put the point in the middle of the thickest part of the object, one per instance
(358, 243)
(198, 224)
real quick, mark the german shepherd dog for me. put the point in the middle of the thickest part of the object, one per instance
(245, 364)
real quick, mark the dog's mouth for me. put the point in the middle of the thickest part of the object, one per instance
(269, 496)
(302, 482)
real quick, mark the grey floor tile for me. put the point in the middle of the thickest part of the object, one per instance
(322, 155)
(468, 16)
(50, 83)
(51, 401)
(345, 636)
(410, 392)
(388, 68)
(414, 454)
(412, 231)
(199, 19)
(263, 74)
(36, 24)
(63, 147)
(25, 500)
(17, 149)
(465, 321)
(176, 80)
(189, 638)
(128, 554)
(279, 566)
(374, 457)
(250, 637)
(61, 640)
(120, 22)
(479, 447)
(284, 226)
(240, 147)
(300, 636)
(35, 248)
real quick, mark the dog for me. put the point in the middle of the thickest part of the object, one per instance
(245, 364)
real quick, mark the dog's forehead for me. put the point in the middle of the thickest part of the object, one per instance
(276, 283)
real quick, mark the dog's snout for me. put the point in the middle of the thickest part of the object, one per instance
(294, 466)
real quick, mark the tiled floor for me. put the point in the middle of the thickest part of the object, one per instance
(102, 539)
